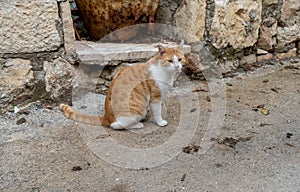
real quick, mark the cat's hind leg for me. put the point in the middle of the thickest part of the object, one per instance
(155, 109)
(127, 123)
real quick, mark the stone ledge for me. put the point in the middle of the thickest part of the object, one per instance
(114, 53)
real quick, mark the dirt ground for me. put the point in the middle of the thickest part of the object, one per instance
(256, 148)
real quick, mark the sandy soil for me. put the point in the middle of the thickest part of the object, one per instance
(250, 151)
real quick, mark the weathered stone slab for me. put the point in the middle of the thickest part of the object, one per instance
(236, 23)
(190, 18)
(108, 53)
(29, 26)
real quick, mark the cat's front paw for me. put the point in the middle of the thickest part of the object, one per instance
(162, 123)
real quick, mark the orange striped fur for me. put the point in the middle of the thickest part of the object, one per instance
(134, 89)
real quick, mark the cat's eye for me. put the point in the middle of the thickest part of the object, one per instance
(180, 59)
(171, 61)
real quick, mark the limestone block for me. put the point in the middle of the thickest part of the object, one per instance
(190, 18)
(58, 78)
(29, 26)
(236, 23)
(16, 78)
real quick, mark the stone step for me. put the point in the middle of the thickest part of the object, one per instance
(116, 53)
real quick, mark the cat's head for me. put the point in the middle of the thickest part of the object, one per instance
(172, 59)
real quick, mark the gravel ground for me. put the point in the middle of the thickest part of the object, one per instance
(251, 151)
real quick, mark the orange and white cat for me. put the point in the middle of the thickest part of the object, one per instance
(134, 89)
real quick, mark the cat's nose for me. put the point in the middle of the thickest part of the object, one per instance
(178, 66)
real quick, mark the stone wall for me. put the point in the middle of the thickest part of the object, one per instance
(37, 40)
(36, 51)
(266, 27)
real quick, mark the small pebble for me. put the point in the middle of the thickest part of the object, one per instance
(183, 177)
(208, 99)
(21, 121)
(193, 110)
(76, 168)
(288, 135)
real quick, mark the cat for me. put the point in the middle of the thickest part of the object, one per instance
(136, 88)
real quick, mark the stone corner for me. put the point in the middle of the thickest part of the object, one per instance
(68, 31)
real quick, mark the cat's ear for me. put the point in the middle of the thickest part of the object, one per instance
(180, 46)
(161, 49)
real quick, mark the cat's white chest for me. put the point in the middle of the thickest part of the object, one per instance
(163, 79)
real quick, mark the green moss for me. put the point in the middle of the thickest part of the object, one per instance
(225, 54)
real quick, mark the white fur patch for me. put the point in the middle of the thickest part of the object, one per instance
(163, 77)
(177, 64)
(127, 123)
(156, 114)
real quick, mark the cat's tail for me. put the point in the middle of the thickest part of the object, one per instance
(89, 119)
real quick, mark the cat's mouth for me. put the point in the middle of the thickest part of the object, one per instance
(178, 67)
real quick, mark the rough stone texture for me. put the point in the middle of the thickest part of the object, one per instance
(114, 54)
(68, 31)
(290, 12)
(271, 12)
(59, 76)
(100, 17)
(29, 26)
(16, 79)
(286, 36)
(249, 59)
(228, 66)
(265, 38)
(190, 18)
(166, 10)
(265, 57)
(270, 2)
(236, 23)
(291, 53)
(192, 64)
(289, 31)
